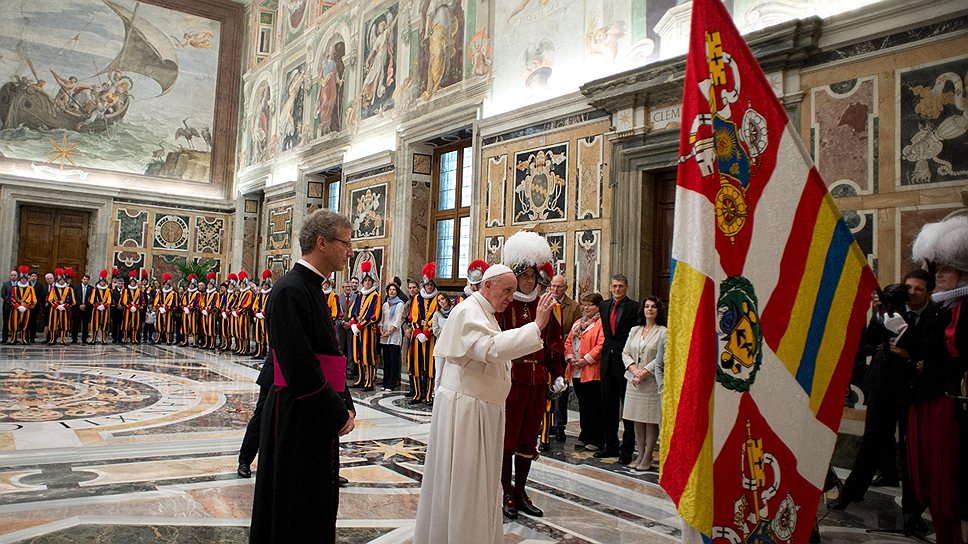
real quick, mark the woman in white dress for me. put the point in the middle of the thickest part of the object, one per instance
(643, 405)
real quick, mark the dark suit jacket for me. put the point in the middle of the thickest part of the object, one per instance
(628, 312)
(5, 293)
(79, 297)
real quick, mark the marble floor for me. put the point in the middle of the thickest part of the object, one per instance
(139, 444)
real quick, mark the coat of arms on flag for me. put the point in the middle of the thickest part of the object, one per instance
(769, 296)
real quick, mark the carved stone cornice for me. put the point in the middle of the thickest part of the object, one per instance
(781, 47)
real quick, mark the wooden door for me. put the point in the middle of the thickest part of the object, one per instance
(52, 238)
(663, 215)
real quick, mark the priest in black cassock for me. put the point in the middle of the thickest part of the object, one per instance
(308, 408)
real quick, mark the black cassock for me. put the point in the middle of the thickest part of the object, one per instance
(297, 486)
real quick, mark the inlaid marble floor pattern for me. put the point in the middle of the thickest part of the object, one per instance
(139, 444)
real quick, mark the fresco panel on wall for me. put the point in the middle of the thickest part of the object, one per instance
(75, 88)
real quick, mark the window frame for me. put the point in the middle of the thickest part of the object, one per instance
(456, 213)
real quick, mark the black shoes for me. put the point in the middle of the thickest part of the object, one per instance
(625, 458)
(509, 507)
(885, 482)
(914, 526)
(244, 471)
(527, 507)
(343, 482)
(602, 454)
(545, 446)
(560, 435)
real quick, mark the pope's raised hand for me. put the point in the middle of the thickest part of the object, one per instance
(545, 304)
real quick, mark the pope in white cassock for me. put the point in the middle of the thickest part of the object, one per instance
(460, 497)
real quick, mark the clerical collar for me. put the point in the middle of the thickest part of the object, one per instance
(427, 295)
(526, 297)
(305, 263)
(366, 291)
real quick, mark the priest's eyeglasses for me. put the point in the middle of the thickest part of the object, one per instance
(347, 243)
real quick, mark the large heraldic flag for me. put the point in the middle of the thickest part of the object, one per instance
(769, 296)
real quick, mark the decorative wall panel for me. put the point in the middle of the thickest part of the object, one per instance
(540, 187)
(591, 177)
(368, 210)
(588, 261)
(843, 135)
(497, 181)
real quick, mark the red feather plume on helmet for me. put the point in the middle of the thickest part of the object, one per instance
(475, 271)
(59, 272)
(69, 272)
(193, 278)
(24, 269)
(166, 277)
(103, 274)
(211, 276)
(243, 275)
(133, 273)
(366, 267)
(115, 271)
(545, 273)
(233, 277)
(266, 274)
(429, 272)
(144, 273)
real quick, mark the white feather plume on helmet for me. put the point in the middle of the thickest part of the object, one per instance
(525, 250)
(944, 243)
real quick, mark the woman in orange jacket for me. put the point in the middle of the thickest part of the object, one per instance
(583, 352)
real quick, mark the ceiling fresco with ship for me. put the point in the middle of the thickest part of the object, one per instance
(115, 85)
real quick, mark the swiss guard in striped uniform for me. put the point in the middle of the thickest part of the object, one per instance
(208, 308)
(243, 314)
(132, 301)
(364, 318)
(100, 302)
(529, 256)
(332, 301)
(259, 306)
(61, 300)
(190, 303)
(475, 275)
(165, 302)
(23, 298)
(229, 299)
(420, 355)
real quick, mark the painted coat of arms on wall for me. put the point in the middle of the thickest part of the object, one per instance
(379, 62)
(118, 84)
(441, 45)
(540, 184)
(932, 123)
(368, 212)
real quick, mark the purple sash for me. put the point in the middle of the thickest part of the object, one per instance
(332, 366)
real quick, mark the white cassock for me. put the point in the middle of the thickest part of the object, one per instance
(460, 497)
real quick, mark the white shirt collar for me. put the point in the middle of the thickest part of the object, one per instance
(305, 263)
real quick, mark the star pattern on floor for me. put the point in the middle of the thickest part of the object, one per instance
(389, 451)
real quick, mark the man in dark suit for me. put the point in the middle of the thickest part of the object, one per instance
(81, 315)
(619, 315)
(5, 292)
